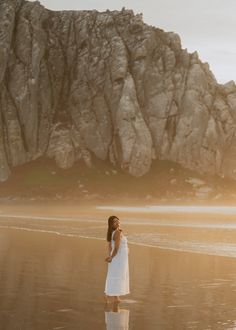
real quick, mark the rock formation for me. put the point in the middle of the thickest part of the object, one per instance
(79, 85)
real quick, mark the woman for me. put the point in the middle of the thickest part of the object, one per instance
(117, 281)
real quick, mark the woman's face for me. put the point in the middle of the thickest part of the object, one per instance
(116, 223)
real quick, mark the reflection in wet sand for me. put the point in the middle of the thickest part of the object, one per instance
(56, 280)
(116, 318)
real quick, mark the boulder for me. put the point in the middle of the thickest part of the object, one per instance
(89, 84)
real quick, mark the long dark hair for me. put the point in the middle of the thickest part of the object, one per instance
(110, 226)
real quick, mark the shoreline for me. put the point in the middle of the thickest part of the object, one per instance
(59, 282)
(95, 212)
(132, 243)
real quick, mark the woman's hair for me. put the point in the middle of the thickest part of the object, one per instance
(110, 226)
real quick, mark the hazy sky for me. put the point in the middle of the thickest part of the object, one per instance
(208, 26)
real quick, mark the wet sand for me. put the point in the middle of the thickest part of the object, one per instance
(54, 281)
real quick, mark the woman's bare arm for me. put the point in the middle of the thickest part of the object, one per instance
(117, 238)
(109, 248)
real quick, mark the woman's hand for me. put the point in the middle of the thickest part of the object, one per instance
(108, 259)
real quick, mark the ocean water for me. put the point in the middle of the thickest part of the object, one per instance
(207, 230)
(51, 278)
(190, 209)
(200, 229)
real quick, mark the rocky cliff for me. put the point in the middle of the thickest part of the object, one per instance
(79, 85)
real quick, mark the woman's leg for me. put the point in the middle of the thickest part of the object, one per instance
(117, 299)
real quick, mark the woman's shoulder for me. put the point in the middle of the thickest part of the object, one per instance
(117, 233)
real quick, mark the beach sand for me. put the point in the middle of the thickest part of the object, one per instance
(56, 281)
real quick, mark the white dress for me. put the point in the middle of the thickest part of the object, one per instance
(117, 320)
(117, 281)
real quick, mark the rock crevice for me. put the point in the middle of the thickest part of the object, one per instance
(78, 85)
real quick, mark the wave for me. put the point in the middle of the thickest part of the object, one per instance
(50, 232)
(197, 224)
(153, 241)
(224, 210)
(206, 248)
(31, 217)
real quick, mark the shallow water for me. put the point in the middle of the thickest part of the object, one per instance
(202, 234)
(53, 278)
(224, 210)
(199, 229)
(56, 282)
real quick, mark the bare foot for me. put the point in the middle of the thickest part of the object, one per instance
(117, 299)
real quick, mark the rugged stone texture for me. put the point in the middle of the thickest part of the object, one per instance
(79, 85)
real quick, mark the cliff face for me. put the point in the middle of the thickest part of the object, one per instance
(77, 85)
